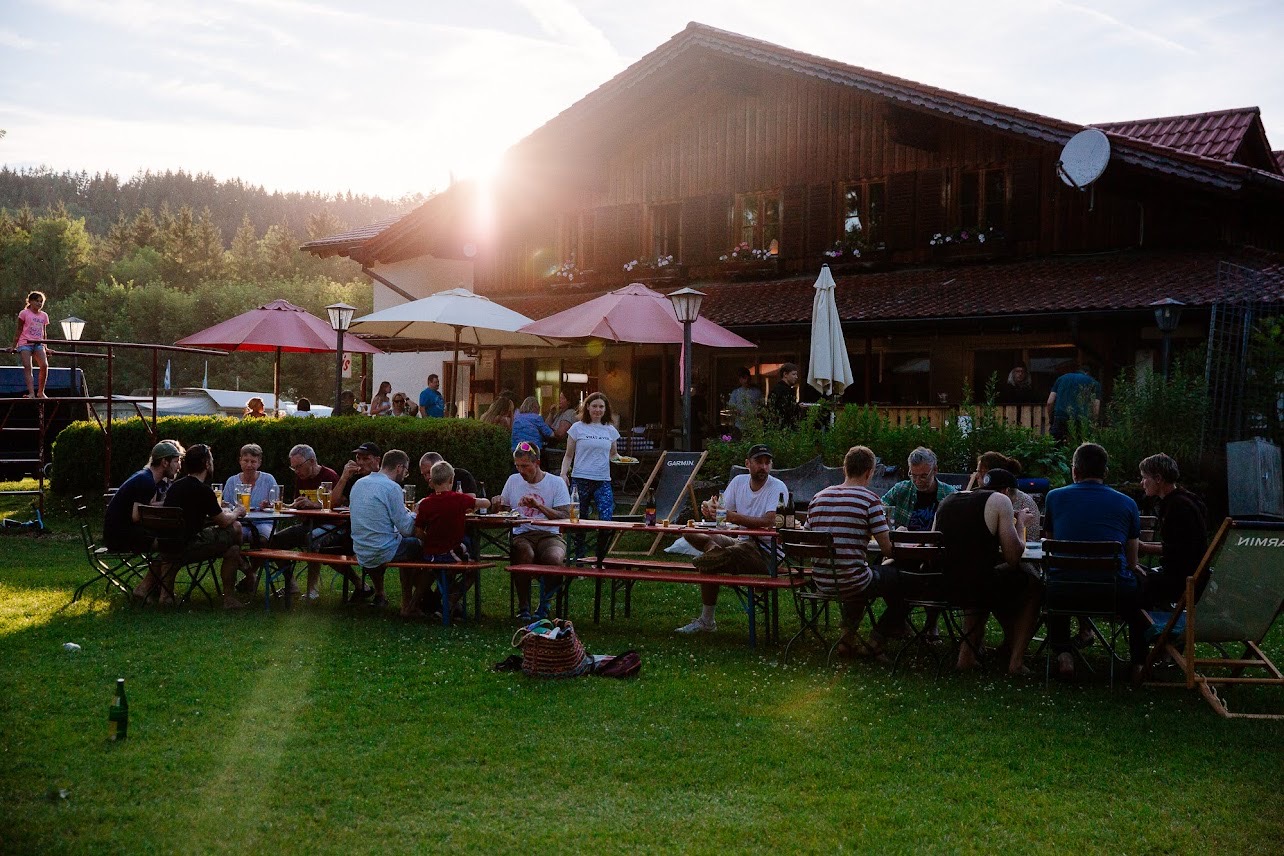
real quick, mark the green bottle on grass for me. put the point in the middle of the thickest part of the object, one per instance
(118, 714)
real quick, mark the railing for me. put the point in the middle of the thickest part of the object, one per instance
(1029, 415)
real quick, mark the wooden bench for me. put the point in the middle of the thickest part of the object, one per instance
(755, 592)
(285, 560)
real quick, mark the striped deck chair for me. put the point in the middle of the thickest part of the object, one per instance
(1233, 598)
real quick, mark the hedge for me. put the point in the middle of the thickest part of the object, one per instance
(80, 448)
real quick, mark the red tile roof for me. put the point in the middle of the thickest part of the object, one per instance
(1100, 283)
(1217, 135)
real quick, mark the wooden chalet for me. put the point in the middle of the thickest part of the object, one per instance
(973, 256)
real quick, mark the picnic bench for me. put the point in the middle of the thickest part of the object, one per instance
(281, 563)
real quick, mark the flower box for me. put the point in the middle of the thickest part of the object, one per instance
(739, 271)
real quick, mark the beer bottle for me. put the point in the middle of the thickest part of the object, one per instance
(575, 504)
(118, 713)
(650, 509)
(780, 512)
(790, 521)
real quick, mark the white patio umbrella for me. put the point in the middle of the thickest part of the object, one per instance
(456, 315)
(829, 370)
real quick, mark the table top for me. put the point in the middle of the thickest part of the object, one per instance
(503, 520)
(270, 515)
(322, 513)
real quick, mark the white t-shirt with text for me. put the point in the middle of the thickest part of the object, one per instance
(592, 450)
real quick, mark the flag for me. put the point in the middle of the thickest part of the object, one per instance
(205, 384)
(167, 362)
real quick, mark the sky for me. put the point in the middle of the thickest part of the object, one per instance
(389, 98)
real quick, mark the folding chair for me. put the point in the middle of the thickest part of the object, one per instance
(810, 561)
(1081, 579)
(919, 558)
(117, 570)
(1235, 596)
(166, 524)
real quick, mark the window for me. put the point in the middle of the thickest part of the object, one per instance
(757, 218)
(864, 205)
(983, 199)
(666, 229)
(577, 240)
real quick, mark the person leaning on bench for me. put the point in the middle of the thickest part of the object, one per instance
(439, 525)
(536, 495)
(750, 500)
(382, 526)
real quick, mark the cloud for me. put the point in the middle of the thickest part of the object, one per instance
(10, 39)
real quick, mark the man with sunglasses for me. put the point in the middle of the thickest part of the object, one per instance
(536, 495)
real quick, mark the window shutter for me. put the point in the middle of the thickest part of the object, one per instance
(1023, 213)
(793, 223)
(630, 234)
(900, 211)
(821, 225)
(603, 239)
(930, 216)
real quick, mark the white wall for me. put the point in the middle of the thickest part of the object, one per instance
(421, 277)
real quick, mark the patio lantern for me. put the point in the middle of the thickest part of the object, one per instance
(340, 317)
(1167, 317)
(686, 304)
(72, 329)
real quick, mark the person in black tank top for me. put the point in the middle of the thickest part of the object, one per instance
(983, 543)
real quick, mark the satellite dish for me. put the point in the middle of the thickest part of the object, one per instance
(1084, 158)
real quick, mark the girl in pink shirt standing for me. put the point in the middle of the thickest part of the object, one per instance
(32, 322)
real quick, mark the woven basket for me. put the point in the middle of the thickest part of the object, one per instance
(563, 657)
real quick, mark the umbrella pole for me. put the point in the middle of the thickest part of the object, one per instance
(454, 373)
(276, 382)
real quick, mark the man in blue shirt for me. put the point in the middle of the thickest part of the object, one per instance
(1075, 395)
(381, 523)
(430, 401)
(1089, 510)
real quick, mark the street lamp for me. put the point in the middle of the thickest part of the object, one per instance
(72, 329)
(340, 317)
(1167, 317)
(686, 303)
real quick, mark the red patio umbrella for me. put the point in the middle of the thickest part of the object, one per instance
(634, 314)
(277, 326)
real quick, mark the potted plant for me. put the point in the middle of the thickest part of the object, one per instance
(853, 253)
(967, 243)
(659, 269)
(746, 262)
(569, 275)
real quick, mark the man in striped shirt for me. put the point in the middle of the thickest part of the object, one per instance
(853, 514)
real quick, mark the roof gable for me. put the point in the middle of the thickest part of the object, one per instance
(1233, 136)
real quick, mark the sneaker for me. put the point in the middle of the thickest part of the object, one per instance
(524, 615)
(312, 595)
(697, 626)
(541, 613)
(379, 602)
(362, 594)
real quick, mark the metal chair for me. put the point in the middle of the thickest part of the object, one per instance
(919, 558)
(117, 570)
(1081, 579)
(811, 563)
(167, 525)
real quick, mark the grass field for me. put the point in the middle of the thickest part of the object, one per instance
(325, 730)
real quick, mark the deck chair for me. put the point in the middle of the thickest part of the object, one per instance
(1080, 580)
(809, 561)
(1234, 597)
(166, 524)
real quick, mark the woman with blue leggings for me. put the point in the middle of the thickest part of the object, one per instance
(590, 447)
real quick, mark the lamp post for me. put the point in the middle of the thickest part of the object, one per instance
(340, 317)
(1167, 317)
(686, 303)
(72, 329)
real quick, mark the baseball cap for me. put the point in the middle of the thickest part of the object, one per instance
(165, 449)
(998, 479)
(368, 449)
(758, 451)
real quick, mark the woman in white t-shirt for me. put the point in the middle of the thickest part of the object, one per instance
(590, 446)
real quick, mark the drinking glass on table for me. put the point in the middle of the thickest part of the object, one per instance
(323, 494)
(274, 499)
(408, 493)
(218, 493)
(243, 496)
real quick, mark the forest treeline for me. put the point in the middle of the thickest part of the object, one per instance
(161, 265)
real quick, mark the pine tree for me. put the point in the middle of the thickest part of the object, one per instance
(242, 262)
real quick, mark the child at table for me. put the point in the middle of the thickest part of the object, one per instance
(439, 525)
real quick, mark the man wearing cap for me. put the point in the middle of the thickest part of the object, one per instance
(750, 500)
(984, 539)
(121, 532)
(365, 460)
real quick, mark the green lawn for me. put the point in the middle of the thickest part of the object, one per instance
(333, 731)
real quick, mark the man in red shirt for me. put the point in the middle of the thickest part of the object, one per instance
(439, 525)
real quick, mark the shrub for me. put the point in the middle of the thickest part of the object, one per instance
(80, 449)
